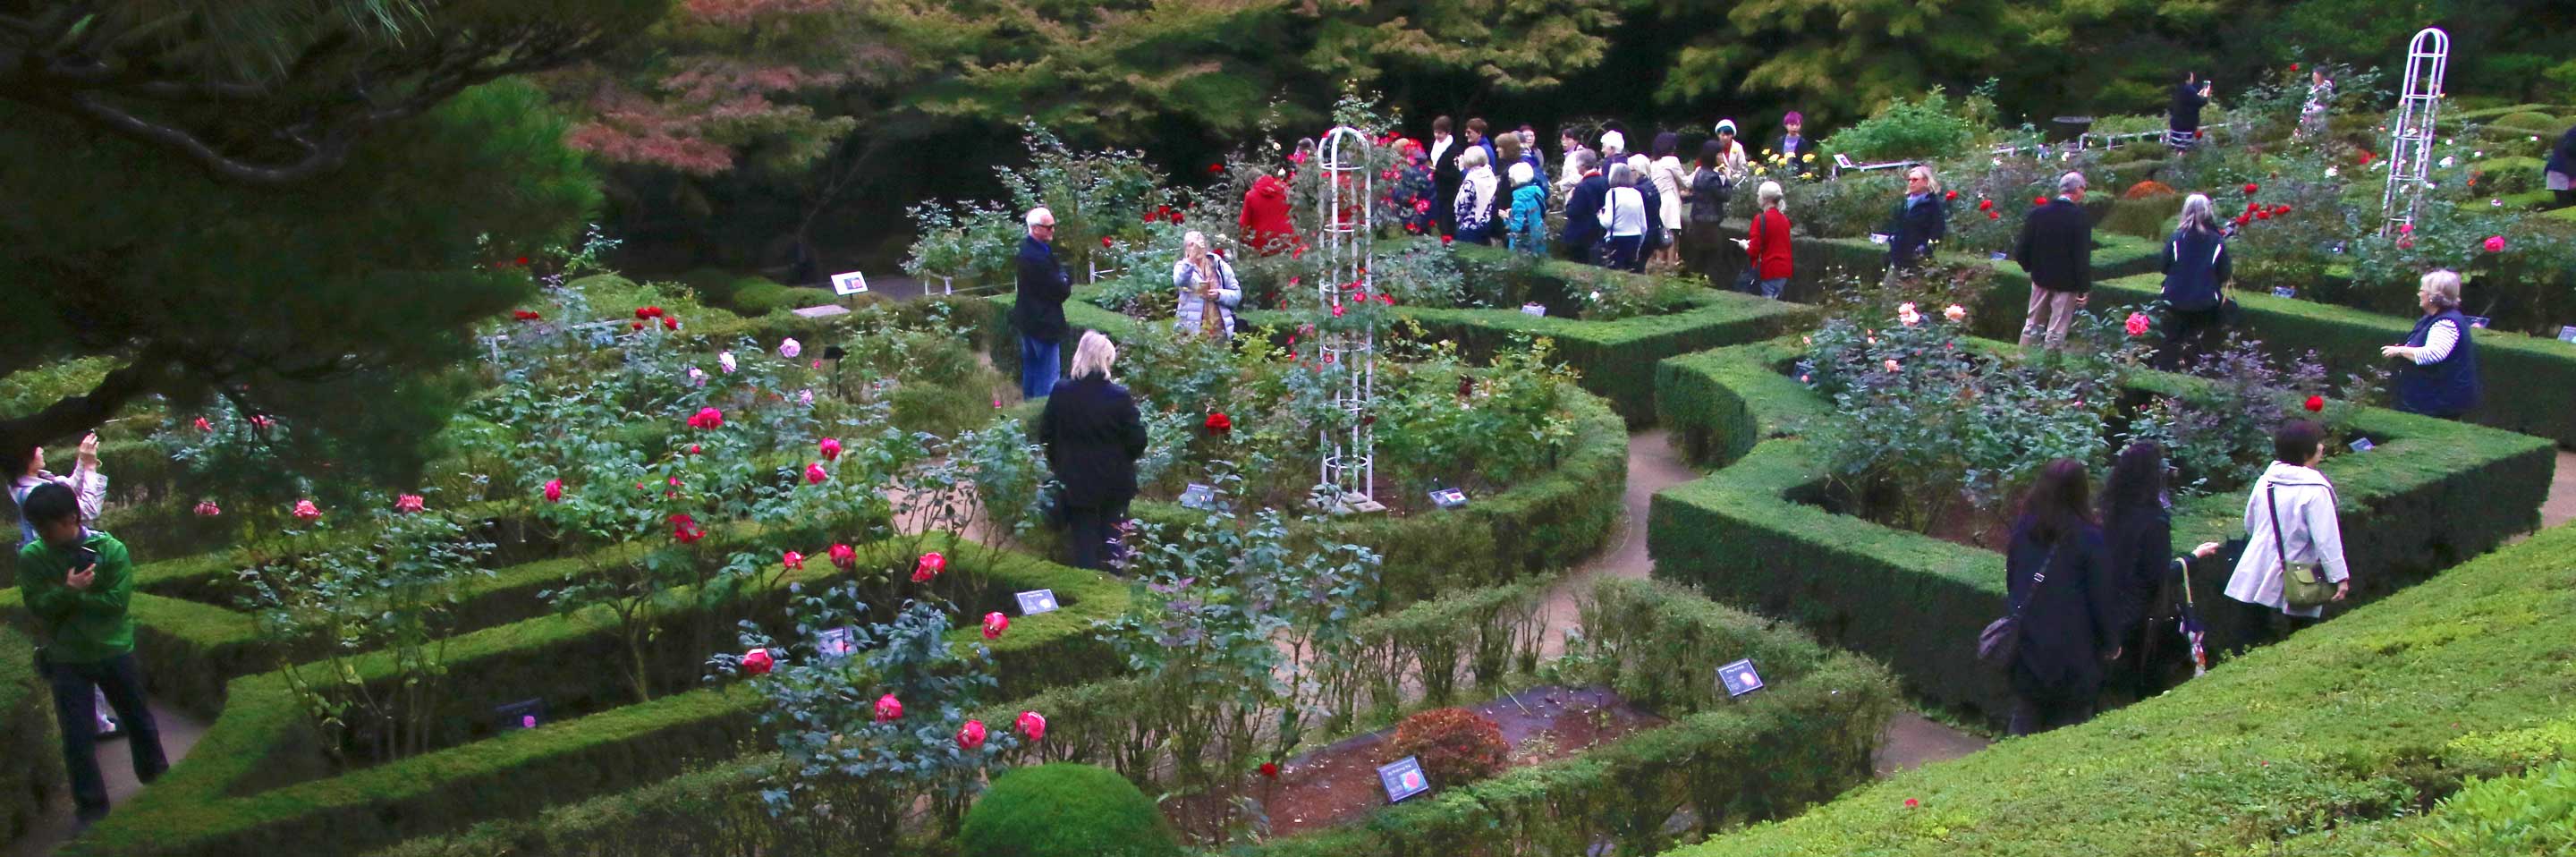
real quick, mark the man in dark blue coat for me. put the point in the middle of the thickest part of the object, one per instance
(1583, 210)
(2056, 249)
(1039, 311)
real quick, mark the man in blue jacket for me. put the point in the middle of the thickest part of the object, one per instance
(2056, 249)
(1583, 210)
(1039, 311)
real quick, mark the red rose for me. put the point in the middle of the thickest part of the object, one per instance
(1951, 195)
(2316, 404)
(1270, 770)
(757, 662)
(1176, 217)
(930, 565)
(1219, 423)
(1994, 215)
(1216, 168)
(686, 529)
(1911, 803)
(670, 323)
(2252, 207)
(2262, 215)
(1445, 239)
(523, 261)
(814, 474)
(1985, 205)
(2251, 187)
(1104, 242)
(2280, 209)
(2039, 200)
(844, 556)
(2294, 66)
(524, 315)
(994, 624)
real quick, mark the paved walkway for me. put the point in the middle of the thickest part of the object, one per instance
(179, 734)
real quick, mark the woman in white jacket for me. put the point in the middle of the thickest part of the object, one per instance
(2297, 500)
(1202, 277)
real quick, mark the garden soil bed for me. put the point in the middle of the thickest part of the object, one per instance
(1339, 783)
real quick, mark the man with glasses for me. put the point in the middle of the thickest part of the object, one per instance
(1039, 312)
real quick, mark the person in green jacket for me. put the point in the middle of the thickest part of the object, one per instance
(76, 581)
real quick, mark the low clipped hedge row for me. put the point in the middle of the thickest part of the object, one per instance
(31, 757)
(1548, 522)
(2540, 371)
(255, 782)
(2433, 493)
(1807, 736)
(2330, 743)
(1615, 358)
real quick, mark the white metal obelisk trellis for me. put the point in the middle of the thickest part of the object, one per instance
(2410, 147)
(1349, 231)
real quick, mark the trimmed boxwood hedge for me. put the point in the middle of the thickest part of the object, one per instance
(2305, 747)
(2526, 378)
(1616, 358)
(1546, 523)
(253, 784)
(2434, 493)
(1807, 736)
(31, 757)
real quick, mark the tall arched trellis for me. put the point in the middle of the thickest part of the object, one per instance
(2410, 151)
(1349, 231)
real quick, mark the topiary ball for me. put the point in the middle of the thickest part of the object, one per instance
(1065, 810)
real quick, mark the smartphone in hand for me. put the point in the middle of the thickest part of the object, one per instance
(83, 557)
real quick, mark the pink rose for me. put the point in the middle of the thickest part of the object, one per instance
(831, 447)
(554, 490)
(204, 426)
(1032, 725)
(814, 474)
(207, 508)
(844, 556)
(889, 709)
(971, 735)
(1891, 365)
(930, 565)
(2137, 325)
(794, 561)
(306, 511)
(707, 418)
(2495, 243)
(994, 624)
(408, 503)
(757, 662)
(790, 348)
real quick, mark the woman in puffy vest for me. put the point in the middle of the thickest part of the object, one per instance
(2440, 378)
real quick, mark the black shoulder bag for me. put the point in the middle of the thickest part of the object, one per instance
(2000, 643)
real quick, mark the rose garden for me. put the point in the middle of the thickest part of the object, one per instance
(694, 566)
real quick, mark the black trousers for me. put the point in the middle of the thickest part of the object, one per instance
(2189, 335)
(1093, 532)
(2034, 715)
(76, 712)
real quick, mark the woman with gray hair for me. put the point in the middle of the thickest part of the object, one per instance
(1475, 201)
(1204, 280)
(2196, 269)
(2440, 377)
(1093, 436)
(1623, 220)
(1766, 241)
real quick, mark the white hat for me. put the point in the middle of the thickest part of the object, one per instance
(1614, 140)
(1726, 126)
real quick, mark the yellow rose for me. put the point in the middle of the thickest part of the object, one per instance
(1810, 157)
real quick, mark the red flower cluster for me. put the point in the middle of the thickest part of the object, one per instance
(686, 529)
(649, 312)
(1219, 423)
(524, 315)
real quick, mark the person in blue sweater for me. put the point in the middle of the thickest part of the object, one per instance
(2196, 267)
(2440, 376)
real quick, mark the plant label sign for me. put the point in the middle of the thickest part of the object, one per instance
(1880, 238)
(837, 643)
(1539, 310)
(1996, 256)
(849, 284)
(2567, 334)
(2363, 444)
(1402, 779)
(524, 714)
(2479, 321)
(1036, 601)
(2284, 292)
(1740, 678)
(1448, 498)
(1198, 496)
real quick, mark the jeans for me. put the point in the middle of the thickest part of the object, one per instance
(2031, 715)
(1621, 254)
(1771, 288)
(1092, 531)
(2051, 311)
(1040, 365)
(75, 711)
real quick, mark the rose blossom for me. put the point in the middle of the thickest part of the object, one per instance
(793, 561)
(930, 565)
(1954, 312)
(408, 503)
(2137, 325)
(554, 490)
(971, 735)
(814, 474)
(790, 348)
(831, 447)
(843, 556)
(207, 508)
(994, 624)
(1032, 725)
(724, 360)
(306, 511)
(889, 709)
(757, 662)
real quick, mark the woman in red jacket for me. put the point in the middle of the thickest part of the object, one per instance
(1768, 244)
(1265, 216)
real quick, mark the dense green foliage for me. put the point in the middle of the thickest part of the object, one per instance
(33, 776)
(1066, 810)
(2330, 744)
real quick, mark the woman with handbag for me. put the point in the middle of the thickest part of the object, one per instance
(2065, 619)
(2293, 562)
(2196, 271)
(1766, 245)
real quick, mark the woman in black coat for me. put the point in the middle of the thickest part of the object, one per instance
(2138, 526)
(1921, 219)
(1093, 437)
(2059, 579)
